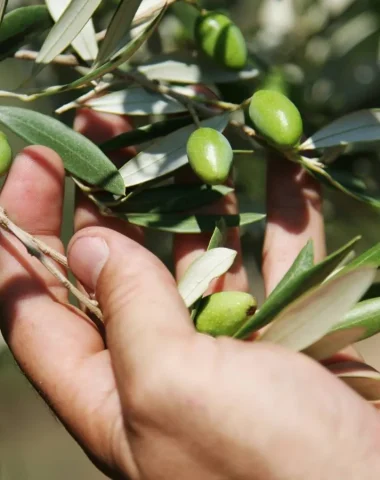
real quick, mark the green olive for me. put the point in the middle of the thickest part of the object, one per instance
(276, 118)
(224, 313)
(210, 155)
(221, 39)
(5, 154)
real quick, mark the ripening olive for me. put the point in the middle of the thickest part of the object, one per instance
(210, 155)
(276, 118)
(224, 313)
(219, 38)
(5, 154)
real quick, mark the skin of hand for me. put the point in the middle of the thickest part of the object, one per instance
(162, 401)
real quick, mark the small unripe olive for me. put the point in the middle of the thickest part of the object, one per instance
(276, 118)
(219, 38)
(210, 155)
(224, 313)
(5, 154)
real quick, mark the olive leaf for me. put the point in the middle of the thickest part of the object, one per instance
(186, 68)
(361, 322)
(310, 317)
(303, 263)
(173, 198)
(122, 56)
(334, 179)
(145, 134)
(294, 286)
(3, 6)
(136, 101)
(219, 235)
(197, 278)
(333, 342)
(166, 155)
(20, 26)
(71, 22)
(84, 43)
(148, 9)
(357, 127)
(118, 30)
(362, 378)
(187, 223)
(370, 257)
(80, 156)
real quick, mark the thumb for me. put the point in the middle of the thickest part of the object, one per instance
(143, 311)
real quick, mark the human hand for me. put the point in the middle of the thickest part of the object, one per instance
(162, 401)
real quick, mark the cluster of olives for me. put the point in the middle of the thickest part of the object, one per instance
(210, 155)
(274, 116)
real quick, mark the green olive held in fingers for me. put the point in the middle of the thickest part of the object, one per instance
(224, 313)
(221, 39)
(5, 154)
(210, 155)
(276, 118)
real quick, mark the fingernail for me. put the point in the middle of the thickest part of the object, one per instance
(87, 257)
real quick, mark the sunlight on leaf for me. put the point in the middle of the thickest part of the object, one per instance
(85, 42)
(197, 278)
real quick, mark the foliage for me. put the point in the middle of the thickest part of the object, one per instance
(205, 77)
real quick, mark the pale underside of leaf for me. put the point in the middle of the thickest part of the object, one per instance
(310, 317)
(123, 55)
(186, 68)
(361, 126)
(197, 278)
(85, 43)
(333, 342)
(118, 29)
(72, 21)
(149, 8)
(362, 378)
(136, 101)
(166, 155)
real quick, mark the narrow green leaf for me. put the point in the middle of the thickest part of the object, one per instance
(186, 68)
(219, 236)
(173, 198)
(310, 317)
(84, 43)
(118, 30)
(166, 155)
(72, 21)
(146, 133)
(22, 25)
(80, 156)
(197, 278)
(357, 127)
(296, 286)
(333, 342)
(122, 56)
(370, 258)
(136, 101)
(186, 223)
(303, 263)
(362, 378)
(3, 6)
(329, 177)
(365, 315)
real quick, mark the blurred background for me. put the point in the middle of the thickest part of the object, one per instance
(324, 54)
